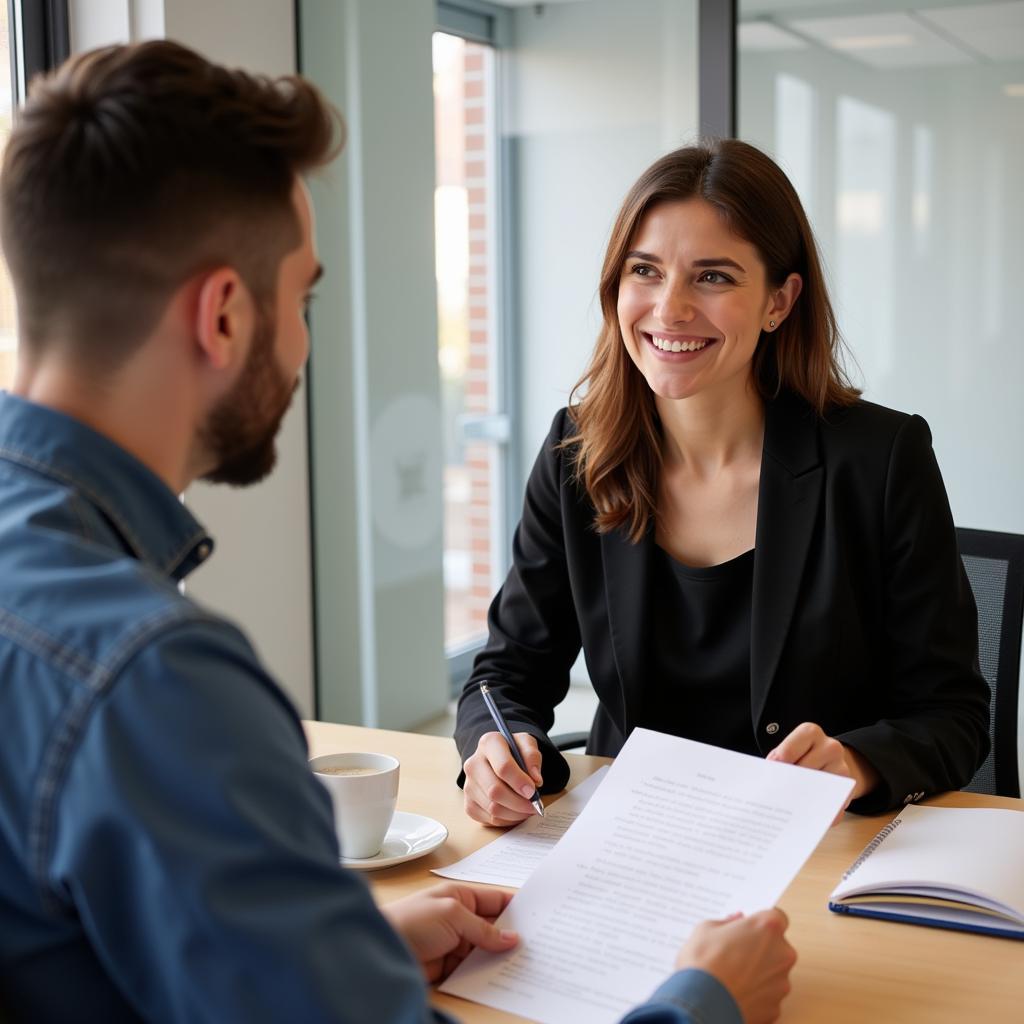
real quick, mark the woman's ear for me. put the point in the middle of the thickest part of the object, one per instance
(224, 318)
(782, 302)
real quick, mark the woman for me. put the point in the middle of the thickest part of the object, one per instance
(749, 554)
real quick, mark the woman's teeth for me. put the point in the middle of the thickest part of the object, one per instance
(678, 346)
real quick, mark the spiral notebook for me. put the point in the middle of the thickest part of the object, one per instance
(946, 867)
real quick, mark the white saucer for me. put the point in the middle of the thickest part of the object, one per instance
(410, 836)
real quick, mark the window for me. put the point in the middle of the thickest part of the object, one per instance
(7, 323)
(473, 399)
(33, 37)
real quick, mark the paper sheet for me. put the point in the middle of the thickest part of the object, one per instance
(510, 859)
(677, 832)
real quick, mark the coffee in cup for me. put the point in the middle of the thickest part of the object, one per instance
(364, 791)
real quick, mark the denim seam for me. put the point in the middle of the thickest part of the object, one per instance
(39, 642)
(47, 469)
(69, 731)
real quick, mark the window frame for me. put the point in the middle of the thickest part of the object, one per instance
(40, 41)
(717, 27)
(478, 21)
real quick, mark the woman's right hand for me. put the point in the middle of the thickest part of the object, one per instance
(497, 791)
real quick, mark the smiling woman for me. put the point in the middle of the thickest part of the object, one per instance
(748, 554)
(731, 236)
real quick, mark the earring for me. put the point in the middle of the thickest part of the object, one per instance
(771, 324)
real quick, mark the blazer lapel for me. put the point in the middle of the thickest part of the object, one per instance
(628, 581)
(789, 497)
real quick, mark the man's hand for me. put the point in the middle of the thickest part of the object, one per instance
(808, 745)
(497, 791)
(442, 924)
(749, 956)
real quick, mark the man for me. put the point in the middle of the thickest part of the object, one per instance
(165, 853)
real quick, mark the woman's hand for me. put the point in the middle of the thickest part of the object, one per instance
(442, 924)
(809, 746)
(497, 791)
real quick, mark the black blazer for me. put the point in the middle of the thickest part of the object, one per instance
(862, 617)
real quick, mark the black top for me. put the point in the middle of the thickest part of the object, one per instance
(702, 643)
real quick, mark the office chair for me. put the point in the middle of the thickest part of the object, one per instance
(995, 569)
(570, 740)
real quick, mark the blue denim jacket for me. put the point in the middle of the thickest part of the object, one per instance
(165, 854)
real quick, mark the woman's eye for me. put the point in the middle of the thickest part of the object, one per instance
(714, 277)
(643, 270)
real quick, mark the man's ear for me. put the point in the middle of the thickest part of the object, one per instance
(224, 318)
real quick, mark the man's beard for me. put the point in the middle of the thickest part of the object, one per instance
(240, 432)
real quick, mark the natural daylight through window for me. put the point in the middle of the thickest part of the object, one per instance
(465, 258)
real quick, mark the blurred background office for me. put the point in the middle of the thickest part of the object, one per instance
(489, 147)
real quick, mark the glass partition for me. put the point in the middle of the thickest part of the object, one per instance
(902, 128)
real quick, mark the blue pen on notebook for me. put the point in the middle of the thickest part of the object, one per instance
(499, 721)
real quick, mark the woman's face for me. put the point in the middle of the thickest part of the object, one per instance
(693, 300)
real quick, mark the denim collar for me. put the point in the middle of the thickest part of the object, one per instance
(150, 519)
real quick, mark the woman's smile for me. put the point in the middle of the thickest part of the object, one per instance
(677, 347)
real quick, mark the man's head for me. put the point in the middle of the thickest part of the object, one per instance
(134, 170)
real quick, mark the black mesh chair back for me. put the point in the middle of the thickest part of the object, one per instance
(995, 568)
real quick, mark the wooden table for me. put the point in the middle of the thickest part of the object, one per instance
(851, 971)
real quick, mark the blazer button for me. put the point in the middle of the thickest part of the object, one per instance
(772, 728)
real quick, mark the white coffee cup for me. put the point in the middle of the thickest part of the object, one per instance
(364, 790)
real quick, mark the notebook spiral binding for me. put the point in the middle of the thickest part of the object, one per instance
(873, 845)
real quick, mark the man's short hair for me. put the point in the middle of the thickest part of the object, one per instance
(133, 168)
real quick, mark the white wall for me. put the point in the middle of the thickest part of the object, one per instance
(260, 574)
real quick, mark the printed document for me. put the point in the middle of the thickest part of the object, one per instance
(510, 859)
(676, 833)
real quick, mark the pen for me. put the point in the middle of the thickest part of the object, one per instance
(499, 721)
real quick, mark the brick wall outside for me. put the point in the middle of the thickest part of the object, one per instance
(477, 397)
(464, 175)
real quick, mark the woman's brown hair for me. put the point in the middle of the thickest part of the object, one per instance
(617, 444)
